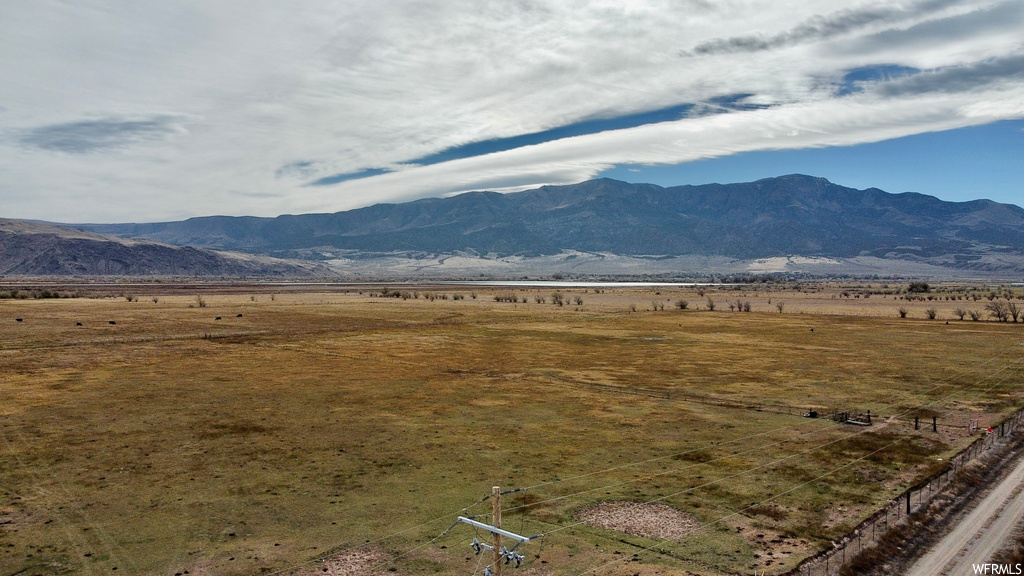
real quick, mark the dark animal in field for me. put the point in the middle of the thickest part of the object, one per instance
(19, 320)
(238, 316)
(217, 318)
(78, 323)
(112, 322)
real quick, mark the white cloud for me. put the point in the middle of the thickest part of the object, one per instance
(193, 108)
(853, 120)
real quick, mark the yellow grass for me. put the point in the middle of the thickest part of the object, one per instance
(316, 422)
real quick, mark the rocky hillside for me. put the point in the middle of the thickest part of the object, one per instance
(30, 248)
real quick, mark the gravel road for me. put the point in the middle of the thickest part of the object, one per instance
(980, 534)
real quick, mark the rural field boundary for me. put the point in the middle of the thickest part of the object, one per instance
(688, 396)
(913, 500)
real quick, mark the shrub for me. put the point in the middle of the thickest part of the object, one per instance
(682, 304)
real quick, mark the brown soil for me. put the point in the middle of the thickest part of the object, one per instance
(640, 519)
(361, 562)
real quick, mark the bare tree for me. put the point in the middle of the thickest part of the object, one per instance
(998, 310)
(682, 304)
(959, 313)
(1014, 311)
(975, 315)
(902, 311)
(578, 300)
(780, 306)
(931, 313)
(711, 304)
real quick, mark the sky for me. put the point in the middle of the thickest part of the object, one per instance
(152, 110)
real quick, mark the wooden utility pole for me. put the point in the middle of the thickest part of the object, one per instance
(501, 556)
(496, 512)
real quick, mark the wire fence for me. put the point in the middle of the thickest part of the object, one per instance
(914, 499)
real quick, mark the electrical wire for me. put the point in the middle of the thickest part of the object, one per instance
(947, 382)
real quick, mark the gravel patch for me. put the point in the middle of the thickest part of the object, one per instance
(640, 519)
(362, 562)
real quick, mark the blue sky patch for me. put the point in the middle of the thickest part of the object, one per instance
(854, 79)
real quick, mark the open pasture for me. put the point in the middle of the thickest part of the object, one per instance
(155, 438)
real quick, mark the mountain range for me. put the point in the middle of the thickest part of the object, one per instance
(41, 249)
(787, 216)
(792, 223)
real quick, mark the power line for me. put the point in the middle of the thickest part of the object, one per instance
(766, 500)
(947, 382)
(774, 497)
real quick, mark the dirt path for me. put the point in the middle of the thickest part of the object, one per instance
(980, 534)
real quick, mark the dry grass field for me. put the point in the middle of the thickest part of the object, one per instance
(341, 432)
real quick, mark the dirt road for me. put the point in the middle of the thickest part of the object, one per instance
(980, 534)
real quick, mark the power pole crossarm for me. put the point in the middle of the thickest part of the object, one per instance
(494, 530)
(502, 555)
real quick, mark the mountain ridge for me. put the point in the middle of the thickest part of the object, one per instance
(43, 249)
(772, 217)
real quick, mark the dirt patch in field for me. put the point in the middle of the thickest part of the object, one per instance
(12, 520)
(361, 562)
(640, 519)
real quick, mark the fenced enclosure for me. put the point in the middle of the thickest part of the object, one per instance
(911, 501)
